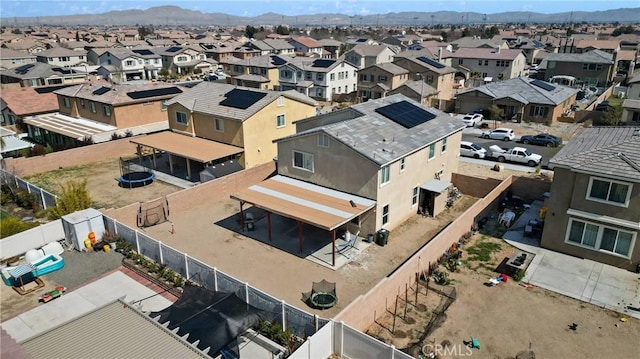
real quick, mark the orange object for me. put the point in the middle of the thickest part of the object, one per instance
(92, 237)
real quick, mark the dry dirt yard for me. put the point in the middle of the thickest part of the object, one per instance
(507, 318)
(102, 184)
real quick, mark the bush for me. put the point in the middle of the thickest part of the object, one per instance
(74, 197)
(27, 200)
(13, 225)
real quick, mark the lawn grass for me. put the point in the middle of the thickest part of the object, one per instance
(615, 101)
(51, 181)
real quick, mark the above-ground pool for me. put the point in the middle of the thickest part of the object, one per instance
(136, 179)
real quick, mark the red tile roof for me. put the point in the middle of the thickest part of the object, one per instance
(25, 101)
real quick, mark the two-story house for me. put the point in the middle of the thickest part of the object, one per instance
(40, 74)
(20, 102)
(594, 68)
(521, 99)
(433, 73)
(246, 118)
(631, 103)
(376, 80)
(319, 78)
(121, 64)
(306, 45)
(260, 72)
(183, 60)
(11, 58)
(332, 46)
(593, 210)
(62, 57)
(272, 46)
(366, 55)
(489, 64)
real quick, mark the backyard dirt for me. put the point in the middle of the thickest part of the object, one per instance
(507, 318)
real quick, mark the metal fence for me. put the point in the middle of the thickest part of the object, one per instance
(45, 199)
(299, 322)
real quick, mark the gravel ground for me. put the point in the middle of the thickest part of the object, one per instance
(82, 267)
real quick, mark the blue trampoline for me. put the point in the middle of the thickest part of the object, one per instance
(136, 179)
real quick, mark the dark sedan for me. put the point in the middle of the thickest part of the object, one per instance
(543, 139)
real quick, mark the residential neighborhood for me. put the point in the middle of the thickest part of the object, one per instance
(298, 184)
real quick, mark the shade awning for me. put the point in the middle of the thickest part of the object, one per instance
(309, 203)
(68, 126)
(193, 148)
(436, 185)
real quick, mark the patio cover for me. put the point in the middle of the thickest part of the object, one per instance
(435, 185)
(193, 148)
(68, 126)
(316, 205)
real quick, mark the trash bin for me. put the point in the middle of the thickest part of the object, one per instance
(369, 238)
(382, 237)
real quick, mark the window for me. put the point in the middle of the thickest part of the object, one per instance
(323, 140)
(385, 174)
(106, 110)
(308, 76)
(600, 237)
(92, 106)
(218, 124)
(280, 121)
(403, 163)
(332, 77)
(82, 103)
(181, 58)
(608, 191)
(303, 161)
(460, 61)
(444, 145)
(66, 102)
(163, 105)
(280, 101)
(414, 197)
(385, 215)
(432, 151)
(129, 63)
(286, 73)
(181, 118)
(238, 69)
(319, 76)
(479, 62)
(382, 78)
(538, 111)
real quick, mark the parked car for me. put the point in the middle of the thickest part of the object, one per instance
(543, 139)
(210, 78)
(470, 149)
(505, 134)
(472, 119)
(516, 154)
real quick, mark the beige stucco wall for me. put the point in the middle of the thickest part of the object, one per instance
(569, 191)
(125, 116)
(575, 69)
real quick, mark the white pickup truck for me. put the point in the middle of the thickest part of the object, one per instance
(516, 154)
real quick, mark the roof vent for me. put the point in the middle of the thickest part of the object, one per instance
(636, 132)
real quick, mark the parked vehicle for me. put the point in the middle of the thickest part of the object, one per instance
(516, 154)
(505, 134)
(470, 149)
(543, 139)
(472, 119)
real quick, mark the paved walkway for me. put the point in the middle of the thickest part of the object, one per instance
(589, 281)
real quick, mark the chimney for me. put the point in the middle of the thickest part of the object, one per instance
(440, 54)
(497, 49)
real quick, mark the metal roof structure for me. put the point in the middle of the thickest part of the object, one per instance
(68, 126)
(193, 148)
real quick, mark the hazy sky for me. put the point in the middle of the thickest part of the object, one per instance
(30, 8)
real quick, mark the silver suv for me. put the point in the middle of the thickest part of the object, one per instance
(505, 134)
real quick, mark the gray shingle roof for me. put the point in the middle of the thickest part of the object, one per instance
(521, 89)
(205, 98)
(607, 151)
(389, 67)
(382, 140)
(117, 94)
(591, 57)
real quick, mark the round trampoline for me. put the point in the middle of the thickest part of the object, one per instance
(136, 179)
(323, 300)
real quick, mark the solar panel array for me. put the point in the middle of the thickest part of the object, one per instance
(433, 63)
(143, 52)
(101, 90)
(136, 95)
(277, 61)
(323, 63)
(543, 85)
(174, 49)
(405, 114)
(22, 70)
(63, 70)
(242, 99)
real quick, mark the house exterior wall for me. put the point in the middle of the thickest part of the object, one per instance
(63, 61)
(593, 77)
(11, 63)
(441, 82)
(569, 192)
(373, 78)
(491, 69)
(138, 114)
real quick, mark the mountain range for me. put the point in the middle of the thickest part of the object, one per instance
(174, 16)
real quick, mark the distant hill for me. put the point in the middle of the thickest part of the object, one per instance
(174, 15)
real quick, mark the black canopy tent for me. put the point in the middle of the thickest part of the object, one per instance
(215, 319)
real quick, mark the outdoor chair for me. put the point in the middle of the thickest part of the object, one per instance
(350, 241)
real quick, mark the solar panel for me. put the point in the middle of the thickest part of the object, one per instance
(63, 71)
(174, 49)
(405, 114)
(49, 89)
(277, 61)
(433, 63)
(101, 90)
(543, 85)
(242, 99)
(361, 40)
(323, 63)
(143, 52)
(153, 93)
(23, 69)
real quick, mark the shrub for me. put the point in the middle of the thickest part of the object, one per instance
(74, 197)
(25, 199)
(12, 225)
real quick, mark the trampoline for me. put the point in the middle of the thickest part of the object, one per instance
(322, 295)
(136, 179)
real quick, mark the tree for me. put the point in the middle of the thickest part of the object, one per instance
(610, 117)
(250, 31)
(77, 36)
(496, 113)
(282, 30)
(74, 197)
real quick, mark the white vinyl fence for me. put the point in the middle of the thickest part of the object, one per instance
(33, 238)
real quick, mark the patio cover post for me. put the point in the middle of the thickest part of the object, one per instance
(170, 163)
(188, 168)
(241, 216)
(333, 251)
(139, 150)
(269, 225)
(300, 235)
(153, 154)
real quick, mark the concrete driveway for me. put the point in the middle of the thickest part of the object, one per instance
(592, 282)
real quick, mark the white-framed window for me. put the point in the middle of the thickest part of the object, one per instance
(538, 111)
(332, 77)
(181, 58)
(163, 105)
(181, 118)
(403, 164)
(319, 76)
(303, 161)
(432, 151)
(106, 110)
(385, 215)
(382, 78)
(218, 125)
(92, 107)
(129, 63)
(323, 140)
(609, 191)
(66, 102)
(414, 196)
(444, 145)
(280, 121)
(600, 237)
(385, 175)
(82, 103)
(280, 101)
